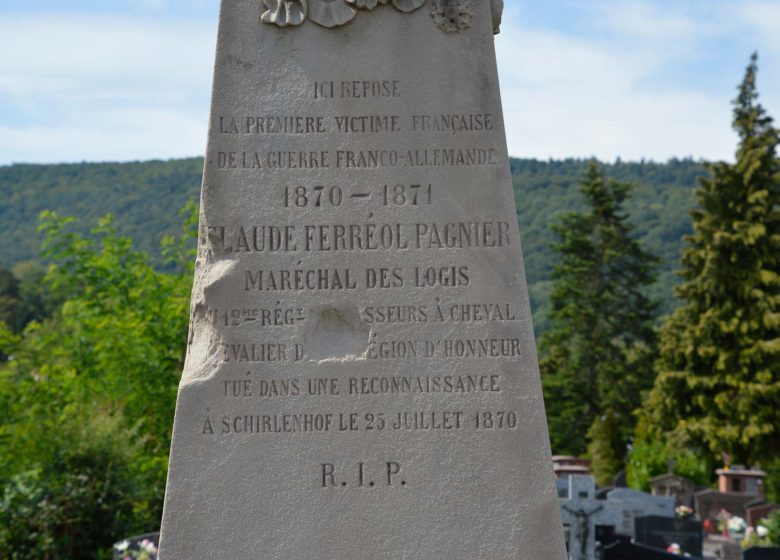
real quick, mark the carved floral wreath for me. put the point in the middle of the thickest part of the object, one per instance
(450, 16)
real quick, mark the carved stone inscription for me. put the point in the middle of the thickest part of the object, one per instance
(361, 378)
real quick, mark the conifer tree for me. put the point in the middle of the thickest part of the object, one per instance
(718, 384)
(596, 356)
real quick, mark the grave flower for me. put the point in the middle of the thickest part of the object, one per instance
(737, 525)
(144, 550)
(752, 538)
(683, 512)
(148, 546)
(723, 522)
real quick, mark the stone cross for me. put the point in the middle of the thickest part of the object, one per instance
(361, 379)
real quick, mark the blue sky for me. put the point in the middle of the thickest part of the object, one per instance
(130, 79)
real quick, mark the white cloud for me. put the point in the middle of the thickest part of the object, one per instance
(765, 18)
(96, 87)
(645, 20)
(567, 96)
(110, 49)
(92, 88)
(139, 133)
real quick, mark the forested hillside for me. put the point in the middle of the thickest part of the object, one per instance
(659, 207)
(145, 197)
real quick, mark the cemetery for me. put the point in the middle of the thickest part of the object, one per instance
(616, 523)
(620, 523)
(339, 357)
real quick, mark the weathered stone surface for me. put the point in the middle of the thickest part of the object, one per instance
(361, 380)
(633, 504)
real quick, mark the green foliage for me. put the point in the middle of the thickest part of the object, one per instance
(596, 355)
(23, 296)
(659, 207)
(772, 483)
(718, 381)
(606, 447)
(37, 302)
(772, 523)
(87, 400)
(73, 505)
(12, 309)
(649, 459)
(144, 197)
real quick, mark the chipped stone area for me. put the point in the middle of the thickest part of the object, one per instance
(335, 334)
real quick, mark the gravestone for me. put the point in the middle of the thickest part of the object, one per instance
(660, 532)
(719, 547)
(624, 549)
(709, 503)
(361, 378)
(758, 509)
(761, 553)
(633, 504)
(674, 486)
(582, 514)
(562, 485)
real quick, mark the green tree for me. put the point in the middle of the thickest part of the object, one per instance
(12, 308)
(653, 458)
(718, 383)
(596, 355)
(23, 296)
(86, 403)
(38, 302)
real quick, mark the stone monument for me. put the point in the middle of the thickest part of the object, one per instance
(633, 504)
(361, 379)
(660, 532)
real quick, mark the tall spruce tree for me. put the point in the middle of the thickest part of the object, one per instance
(718, 384)
(597, 354)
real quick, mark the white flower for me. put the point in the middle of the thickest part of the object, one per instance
(737, 524)
(122, 546)
(683, 511)
(762, 531)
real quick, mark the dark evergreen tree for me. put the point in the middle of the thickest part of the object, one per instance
(596, 355)
(718, 384)
(12, 309)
